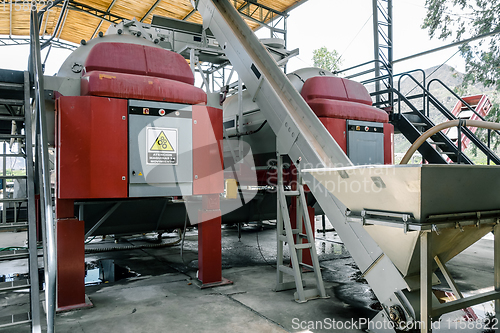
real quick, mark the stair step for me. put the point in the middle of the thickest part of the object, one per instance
(14, 320)
(303, 246)
(306, 266)
(291, 193)
(438, 143)
(13, 225)
(9, 118)
(286, 269)
(11, 136)
(419, 124)
(14, 285)
(13, 255)
(12, 177)
(11, 101)
(11, 86)
(13, 199)
(465, 114)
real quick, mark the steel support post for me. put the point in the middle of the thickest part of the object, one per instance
(209, 243)
(496, 259)
(279, 223)
(70, 258)
(426, 262)
(376, 46)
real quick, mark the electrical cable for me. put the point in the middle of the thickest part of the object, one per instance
(354, 38)
(183, 237)
(434, 71)
(262, 255)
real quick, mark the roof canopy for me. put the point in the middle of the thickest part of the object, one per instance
(84, 19)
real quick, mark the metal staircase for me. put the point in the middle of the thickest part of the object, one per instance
(22, 119)
(15, 90)
(481, 106)
(285, 234)
(443, 147)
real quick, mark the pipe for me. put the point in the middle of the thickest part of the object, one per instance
(442, 126)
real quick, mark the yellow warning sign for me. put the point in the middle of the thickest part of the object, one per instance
(140, 173)
(162, 146)
(162, 143)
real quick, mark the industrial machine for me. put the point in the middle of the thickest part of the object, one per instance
(437, 223)
(138, 148)
(138, 129)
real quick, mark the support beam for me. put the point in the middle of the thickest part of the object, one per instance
(496, 262)
(100, 23)
(10, 20)
(112, 18)
(157, 2)
(62, 25)
(26, 41)
(425, 282)
(448, 278)
(189, 15)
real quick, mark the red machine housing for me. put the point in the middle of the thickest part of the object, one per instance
(335, 100)
(92, 150)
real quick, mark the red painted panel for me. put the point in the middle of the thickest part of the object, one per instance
(356, 92)
(117, 57)
(70, 263)
(139, 60)
(347, 110)
(325, 87)
(207, 150)
(388, 144)
(149, 88)
(92, 147)
(167, 64)
(209, 244)
(65, 209)
(337, 129)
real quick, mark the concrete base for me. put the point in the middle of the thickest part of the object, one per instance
(87, 305)
(165, 296)
(202, 285)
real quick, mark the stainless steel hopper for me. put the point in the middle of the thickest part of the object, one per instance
(454, 200)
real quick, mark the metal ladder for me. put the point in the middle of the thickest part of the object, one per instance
(21, 91)
(285, 233)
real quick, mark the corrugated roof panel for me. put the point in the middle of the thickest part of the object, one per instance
(81, 25)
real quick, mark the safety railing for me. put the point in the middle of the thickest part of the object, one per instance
(387, 80)
(430, 99)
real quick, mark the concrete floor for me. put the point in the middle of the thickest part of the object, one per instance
(163, 297)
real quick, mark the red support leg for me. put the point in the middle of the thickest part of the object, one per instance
(209, 243)
(70, 258)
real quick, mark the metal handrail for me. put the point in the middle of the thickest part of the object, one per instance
(42, 156)
(441, 108)
(457, 97)
(388, 76)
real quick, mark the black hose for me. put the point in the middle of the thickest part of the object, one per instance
(248, 133)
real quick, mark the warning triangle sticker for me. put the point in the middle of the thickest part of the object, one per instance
(162, 143)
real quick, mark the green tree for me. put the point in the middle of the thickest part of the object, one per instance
(328, 60)
(462, 19)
